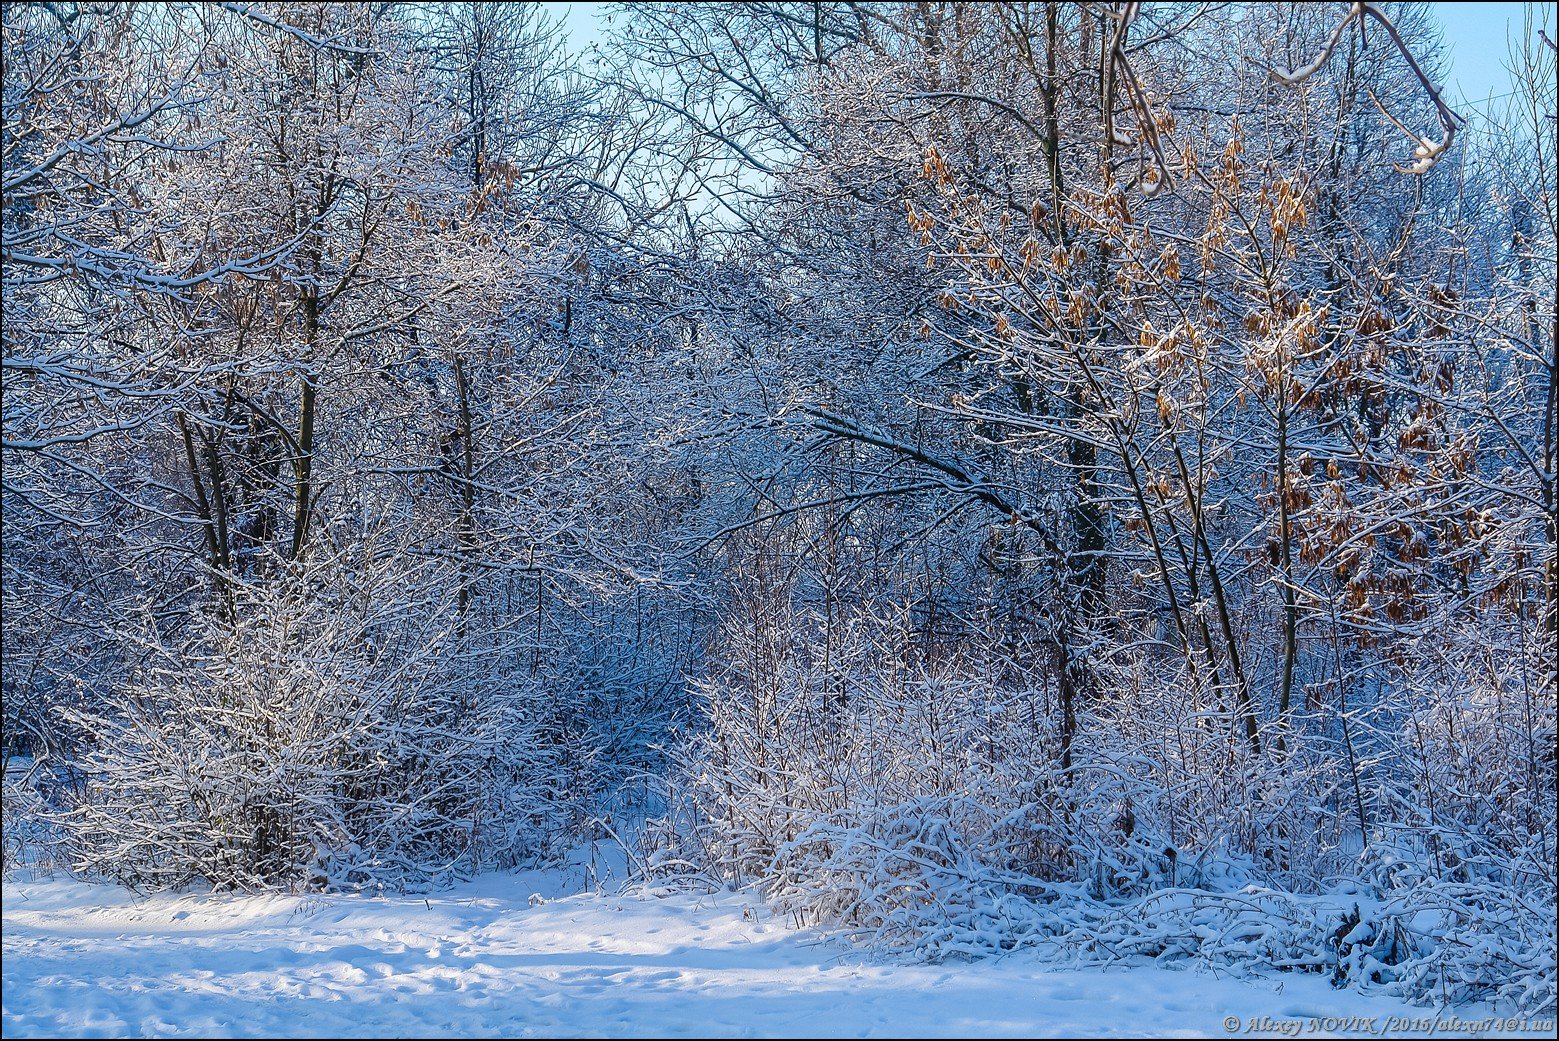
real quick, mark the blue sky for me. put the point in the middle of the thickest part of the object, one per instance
(582, 21)
(1475, 39)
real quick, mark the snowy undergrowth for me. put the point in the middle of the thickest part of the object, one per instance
(923, 811)
(909, 885)
(28, 843)
(331, 739)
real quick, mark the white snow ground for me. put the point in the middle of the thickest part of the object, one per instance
(488, 959)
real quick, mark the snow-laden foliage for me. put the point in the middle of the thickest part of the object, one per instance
(920, 807)
(326, 736)
(29, 841)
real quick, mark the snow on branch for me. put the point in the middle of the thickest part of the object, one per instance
(1427, 149)
(248, 11)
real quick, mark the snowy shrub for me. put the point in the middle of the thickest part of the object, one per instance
(1464, 851)
(899, 798)
(1472, 715)
(28, 841)
(921, 879)
(920, 808)
(1244, 930)
(314, 740)
(1487, 935)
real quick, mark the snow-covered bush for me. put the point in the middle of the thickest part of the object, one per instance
(1485, 934)
(1463, 853)
(864, 790)
(1472, 715)
(326, 736)
(28, 842)
(810, 770)
(921, 808)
